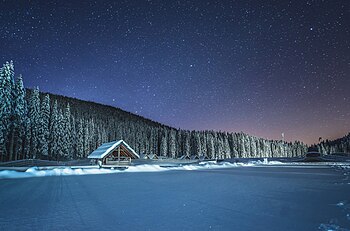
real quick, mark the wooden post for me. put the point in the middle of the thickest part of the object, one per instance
(118, 154)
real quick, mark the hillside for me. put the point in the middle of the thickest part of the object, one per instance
(47, 126)
(93, 124)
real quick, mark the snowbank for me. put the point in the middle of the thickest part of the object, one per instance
(66, 171)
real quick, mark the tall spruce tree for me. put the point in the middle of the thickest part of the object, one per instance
(172, 144)
(20, 111)
(34, 116)
(80, 139)
(164, 144)
(66, 134)
(43, 130)
(6, 107)
(187, 146)
(54, 132)
(211, 147)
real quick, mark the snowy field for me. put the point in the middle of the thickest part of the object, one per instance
(252, 196)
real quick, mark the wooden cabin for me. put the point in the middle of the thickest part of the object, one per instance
(114, 153)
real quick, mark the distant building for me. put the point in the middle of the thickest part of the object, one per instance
(204, 157)
(114, 153)
(149, 156)
(153, 157)
(185, 157)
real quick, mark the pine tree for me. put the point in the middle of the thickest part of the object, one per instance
(34, 115)
(80, 140)
(2, 142)
(227, 151)
(164, 145)
(6, 106)
(172, 144)
(234, 145)
(247, 146)
(197, 144)
(54, 132)
(67, 133)
(87, 137)
(253, 152)
(20, 115)
(204, 145)
(73, 138)
(43, 130)
(187, 145)
(211, 147)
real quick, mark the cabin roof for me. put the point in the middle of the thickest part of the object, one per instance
(185, 157)
(106, 148)
(153, 156)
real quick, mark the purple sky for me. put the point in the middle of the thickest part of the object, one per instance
(251, 66)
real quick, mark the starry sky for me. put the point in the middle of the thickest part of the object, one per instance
(261, 67)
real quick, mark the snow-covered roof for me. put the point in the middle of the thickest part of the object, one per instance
(152, 156)
(184, 157)
(106, 148)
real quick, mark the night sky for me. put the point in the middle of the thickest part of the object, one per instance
(261, 67)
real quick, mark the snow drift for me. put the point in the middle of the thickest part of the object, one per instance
(66, 171)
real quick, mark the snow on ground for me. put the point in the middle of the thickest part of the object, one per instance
(263, 197)
(344, 206)
(65, 171)
(87, 170)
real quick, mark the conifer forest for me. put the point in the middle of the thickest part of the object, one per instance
(37, 125)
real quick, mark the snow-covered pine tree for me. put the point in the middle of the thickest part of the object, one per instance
(80, 140)
(253, 147)
(268, 149)
(61, 138)
(54, 132)
(197, 144)
(260, 147)
(67, 133)
(164, 144)
(20, 112)
(234, 145)
(86, 138)
(204, 145)
(179, 143)
(43, 130)
(172, 144)
(34, 115)
(241, 146)
(139, 144)
(247, 145)
(211, 147)
(6, 106)
(227, 151)
(73, 138)
(187, 147)
(220, 148)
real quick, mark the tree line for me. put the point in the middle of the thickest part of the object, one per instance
(338, 146)
(47, 126)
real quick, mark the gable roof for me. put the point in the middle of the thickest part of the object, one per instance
(185, 157)
(143, 156)
(106, 148)
(152, 156)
